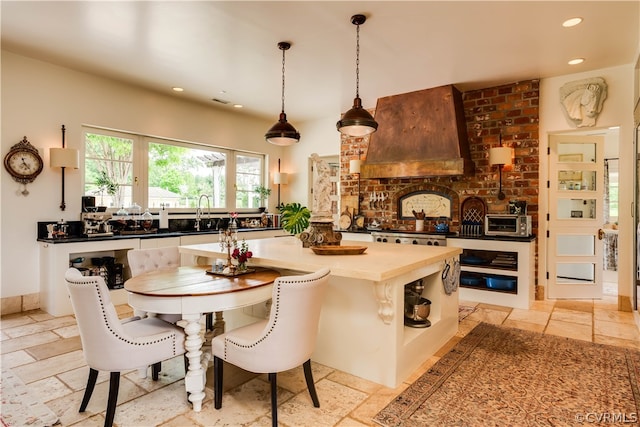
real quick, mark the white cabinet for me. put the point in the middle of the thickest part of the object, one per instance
(54, 262)
(165, 242)
(500, 272)
(357, 237)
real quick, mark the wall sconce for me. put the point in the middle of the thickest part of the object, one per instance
(500, 156)
(280, 178)
(64, 158)
(354, 168)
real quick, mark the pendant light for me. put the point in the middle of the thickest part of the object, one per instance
(282, 133)
(357, 121)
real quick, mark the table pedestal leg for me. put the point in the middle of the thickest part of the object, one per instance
(218, 325)
(195, 377)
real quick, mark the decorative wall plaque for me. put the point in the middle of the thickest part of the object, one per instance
(582, 100)
(434, 205)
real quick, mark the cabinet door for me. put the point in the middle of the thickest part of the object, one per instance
(166, 242)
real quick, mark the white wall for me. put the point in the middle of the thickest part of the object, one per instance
(319, 136)
(617, 111)
(37, 98)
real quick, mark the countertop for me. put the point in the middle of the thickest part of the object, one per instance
(380, 261)
(158, 235)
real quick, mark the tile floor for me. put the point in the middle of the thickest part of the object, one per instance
(45, 352)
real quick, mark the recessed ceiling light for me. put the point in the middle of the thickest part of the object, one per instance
(572, 22)
(177, 89)
(238, 105)
(576, 61)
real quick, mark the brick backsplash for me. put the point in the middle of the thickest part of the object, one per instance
(512, 109)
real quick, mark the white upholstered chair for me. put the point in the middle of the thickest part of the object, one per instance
(152, 259)
(109, 344)
(145, 260)
(284, 341)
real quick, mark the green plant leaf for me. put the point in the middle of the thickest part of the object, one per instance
(295, 217)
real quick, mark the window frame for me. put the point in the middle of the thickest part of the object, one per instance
(140, 168)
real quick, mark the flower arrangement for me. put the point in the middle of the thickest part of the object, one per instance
(242, 254)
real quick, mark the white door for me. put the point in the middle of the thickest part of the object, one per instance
(576, 197)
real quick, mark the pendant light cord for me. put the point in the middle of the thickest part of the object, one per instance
(357, 61)
(283, 50)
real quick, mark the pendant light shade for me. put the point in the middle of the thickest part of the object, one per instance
(282, 133)
(357, 121)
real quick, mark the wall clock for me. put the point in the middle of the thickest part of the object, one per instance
(24, 164)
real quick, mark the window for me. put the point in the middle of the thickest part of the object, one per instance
(108, 169)
(121, 169)
(180, 174)
(248, 177)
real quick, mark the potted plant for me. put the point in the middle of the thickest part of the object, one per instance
(263, 193)
(106, 184)
(295, 217)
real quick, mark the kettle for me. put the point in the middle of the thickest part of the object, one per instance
(442, 226)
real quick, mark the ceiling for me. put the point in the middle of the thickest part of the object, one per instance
(228, 49)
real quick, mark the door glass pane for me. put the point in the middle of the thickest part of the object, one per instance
(576, 153)
(576, 245)
(578, 273)
(576, 180)
(576, 208)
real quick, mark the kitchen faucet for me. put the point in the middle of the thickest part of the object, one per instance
(199, 213)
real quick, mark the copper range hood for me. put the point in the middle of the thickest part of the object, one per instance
(420, 134)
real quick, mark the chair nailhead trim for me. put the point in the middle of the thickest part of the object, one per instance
(171, 337)
(275, 316)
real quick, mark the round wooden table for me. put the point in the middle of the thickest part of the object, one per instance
(191, 291)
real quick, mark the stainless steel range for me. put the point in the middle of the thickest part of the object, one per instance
(409, 238)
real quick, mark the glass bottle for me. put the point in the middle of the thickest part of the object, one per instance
(147, 220)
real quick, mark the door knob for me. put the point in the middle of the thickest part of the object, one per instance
(600, 234)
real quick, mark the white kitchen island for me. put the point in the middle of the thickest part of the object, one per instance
(361, 329)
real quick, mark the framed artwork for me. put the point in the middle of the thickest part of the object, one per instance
(564, 175)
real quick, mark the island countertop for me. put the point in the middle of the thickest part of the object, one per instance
(380, 261)
(361, 329)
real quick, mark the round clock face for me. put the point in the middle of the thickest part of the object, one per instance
(23, 163)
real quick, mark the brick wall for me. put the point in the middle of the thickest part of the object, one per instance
(512, 109)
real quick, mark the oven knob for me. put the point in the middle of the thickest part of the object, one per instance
(429, 243)
(415, 242)
(398, 241)
(384, 240)
(436, 243)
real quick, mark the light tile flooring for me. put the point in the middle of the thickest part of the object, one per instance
(45, 352)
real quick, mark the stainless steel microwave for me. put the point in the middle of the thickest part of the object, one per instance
(507, 225)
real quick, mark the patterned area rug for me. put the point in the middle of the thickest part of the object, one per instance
(499, 376)
(19, 407)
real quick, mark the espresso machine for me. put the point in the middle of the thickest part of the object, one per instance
(96, 224)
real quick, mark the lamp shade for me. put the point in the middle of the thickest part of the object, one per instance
(500, 155)
(280, 178)
(354, 166)
(64, 158)
(282, 133)
(357, 121)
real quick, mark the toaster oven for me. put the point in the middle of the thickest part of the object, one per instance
(507, 225)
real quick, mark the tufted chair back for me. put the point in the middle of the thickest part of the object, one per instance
(145, 260)
(284, 341)
(109, 344)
